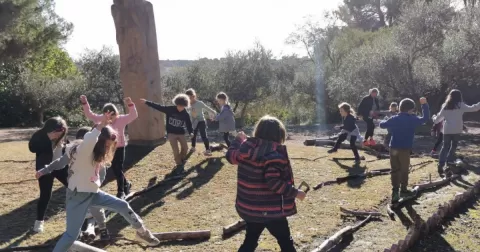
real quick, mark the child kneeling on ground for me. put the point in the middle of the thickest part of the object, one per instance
(265, 187)
(95, 152)
(349, 130)
(61, 163)
(402, 127)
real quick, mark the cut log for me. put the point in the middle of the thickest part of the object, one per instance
(442, 182)
(233, 228)
(360, 213)
(347, 158)
(82, 247)
(331, 182)
(184, 235)
(337, 237)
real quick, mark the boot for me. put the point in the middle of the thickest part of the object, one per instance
(395, 195)
(405, 193)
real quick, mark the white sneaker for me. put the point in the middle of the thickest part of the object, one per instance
(207, 153)
(147, 237)
(38, 227)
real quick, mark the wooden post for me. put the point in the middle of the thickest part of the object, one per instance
(140, 67)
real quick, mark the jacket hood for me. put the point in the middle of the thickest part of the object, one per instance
(263, 151)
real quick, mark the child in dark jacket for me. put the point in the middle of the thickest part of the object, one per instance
(402, 128)
(44, 143)
(349, 130)
(177, 120)
(265, 186)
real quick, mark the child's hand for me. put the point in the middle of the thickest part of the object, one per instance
(301, 195)
(241, 136)
(128, 100)
(83, 99)
(423, 100)
(143, 100)
(337, 127)
(38, 175)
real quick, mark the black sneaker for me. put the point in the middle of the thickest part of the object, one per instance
(127, 188)
(104, 235)
(179, 169)
(332, 151)
(121, 195)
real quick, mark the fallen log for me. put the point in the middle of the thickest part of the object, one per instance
(442, 182)
(360, 213)
(337, 237)
(233, 228)
(184, 235)
(82, 247)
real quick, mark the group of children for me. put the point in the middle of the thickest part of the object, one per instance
(266, 191)
(400, 125)
(81, 165)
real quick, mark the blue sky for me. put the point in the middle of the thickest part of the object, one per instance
(190, 29)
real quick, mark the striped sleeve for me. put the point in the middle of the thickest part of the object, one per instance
(233, 152)
(273, 176)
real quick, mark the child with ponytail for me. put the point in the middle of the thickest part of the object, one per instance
(226, 117)
(88, 157)
(47, 144)
(119, 122)
(349, 130)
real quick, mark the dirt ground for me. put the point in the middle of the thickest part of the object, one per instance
(205, 199)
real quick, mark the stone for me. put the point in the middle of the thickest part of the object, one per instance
(140, 67)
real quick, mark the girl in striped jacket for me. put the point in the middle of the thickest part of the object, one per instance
(265, 186)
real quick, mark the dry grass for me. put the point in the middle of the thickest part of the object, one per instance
(205, 200)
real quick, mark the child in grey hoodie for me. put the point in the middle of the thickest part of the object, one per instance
(452, 114)
(226, 118)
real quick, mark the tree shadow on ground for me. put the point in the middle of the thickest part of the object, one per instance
(204, 175)
(353, 170)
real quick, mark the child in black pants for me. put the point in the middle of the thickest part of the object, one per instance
(349, 130)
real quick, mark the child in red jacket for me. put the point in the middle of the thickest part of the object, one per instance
(265, 186)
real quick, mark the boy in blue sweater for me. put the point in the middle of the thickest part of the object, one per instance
(402, 127)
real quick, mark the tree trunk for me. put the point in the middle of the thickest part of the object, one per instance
(244, 111)
(235, 107)
(40, 116)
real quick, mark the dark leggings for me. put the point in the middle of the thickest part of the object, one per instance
(46, 184)
(370, 128)
(439, 141)
(353, 144)
(226, 135)
(117, 167)
(202, 127)
(278, 228)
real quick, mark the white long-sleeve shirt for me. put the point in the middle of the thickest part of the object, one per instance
(82, 174)
(453, 118)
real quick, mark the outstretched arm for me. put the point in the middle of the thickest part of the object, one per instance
(57, 164)
(88, 112)
(233, 152)
(156, 106)
(207, 108)
(425, 114)
(473, 108)
(131, 115)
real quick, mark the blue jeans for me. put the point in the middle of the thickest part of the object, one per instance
(447, 154)
(77, 204)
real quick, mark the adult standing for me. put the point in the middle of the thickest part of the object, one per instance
(368, 110)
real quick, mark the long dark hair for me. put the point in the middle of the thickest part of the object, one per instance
(453, 100)
(270, 128)
(55, 124)
(102, 154)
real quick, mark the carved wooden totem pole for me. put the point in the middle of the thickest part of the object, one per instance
(140, 69)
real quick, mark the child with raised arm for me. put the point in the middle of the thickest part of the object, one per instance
(266, 190)
(61, 163)
(46, 143)
(87, 158)
(452, 116)
(177, 120)
(118, 124)
(226, 117)
(197, 110)
(402, 127)
(349, 130)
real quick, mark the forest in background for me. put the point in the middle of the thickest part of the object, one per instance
(408, 48)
